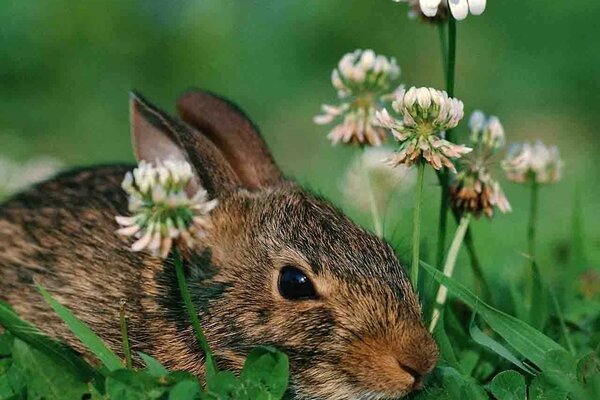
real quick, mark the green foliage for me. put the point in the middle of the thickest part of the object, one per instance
(84, 333)
(33, 366)
(525, 339)
(509, 385)
(559, 375)
(32, 336)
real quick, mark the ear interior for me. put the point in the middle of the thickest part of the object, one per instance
(234, 134)
(152, 137)
(157, 136)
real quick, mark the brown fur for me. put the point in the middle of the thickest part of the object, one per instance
(362, 339)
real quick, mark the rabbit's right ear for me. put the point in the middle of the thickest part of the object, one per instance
(234, 134)
(157, 136)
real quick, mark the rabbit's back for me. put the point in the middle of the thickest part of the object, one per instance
(60, 234)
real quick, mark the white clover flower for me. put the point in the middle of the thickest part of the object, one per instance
(424, 115)
(439, 8)
(362, 80)
(162, 212)
(370, 173)
(539, 162)
(486, 131)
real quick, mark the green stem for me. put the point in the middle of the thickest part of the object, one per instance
(414, 272)
(449, 265)
(451, 54)
(531, 232)
(124, 336)
(210, 365)
(532, 218)
(377, 225)
(443, 220)
(449, 57)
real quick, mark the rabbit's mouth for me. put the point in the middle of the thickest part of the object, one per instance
(340, 388)
(343, 396)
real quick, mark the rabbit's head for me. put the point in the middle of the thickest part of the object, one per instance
(282, 267)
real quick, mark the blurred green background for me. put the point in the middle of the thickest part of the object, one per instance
(66, 68)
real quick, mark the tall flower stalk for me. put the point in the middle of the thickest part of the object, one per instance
(164, 214)
(364, 82)
(474, 192)
(533, 212)
(210, 364)
(450, 59)
(533, 165)
(416, 239)
(421, 115)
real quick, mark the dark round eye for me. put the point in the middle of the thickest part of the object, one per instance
(295, 285)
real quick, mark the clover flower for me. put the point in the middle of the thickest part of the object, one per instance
(439, 8)
(370, 175)
(487, 132)
(362, 80)
(473, 189)
(162, 212)
(536, 161)
(424, 115)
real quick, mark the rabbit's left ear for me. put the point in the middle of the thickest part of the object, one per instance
(234, 134)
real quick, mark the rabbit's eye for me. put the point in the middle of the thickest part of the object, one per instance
(295, 285)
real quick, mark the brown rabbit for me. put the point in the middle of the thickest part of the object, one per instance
(280, 266)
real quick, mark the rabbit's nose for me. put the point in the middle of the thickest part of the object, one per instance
(416, 375)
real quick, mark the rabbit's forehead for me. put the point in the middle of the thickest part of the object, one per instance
(330, 243)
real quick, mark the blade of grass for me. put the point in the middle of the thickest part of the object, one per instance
(484, 340)
(36, 339)
(525, 339)
(124, 334)
(83, 333)
(563, 325)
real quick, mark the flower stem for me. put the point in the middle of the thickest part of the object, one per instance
(414, 272)
(451, 55)
(443, 220)
(449, 58)
(210, 365)
(377, 225)
(533, 206)
(124, 336)
(531, 231)
(442, 293)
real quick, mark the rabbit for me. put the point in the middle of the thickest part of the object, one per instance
(279, 266)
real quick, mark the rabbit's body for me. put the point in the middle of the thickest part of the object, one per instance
(359, 337)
